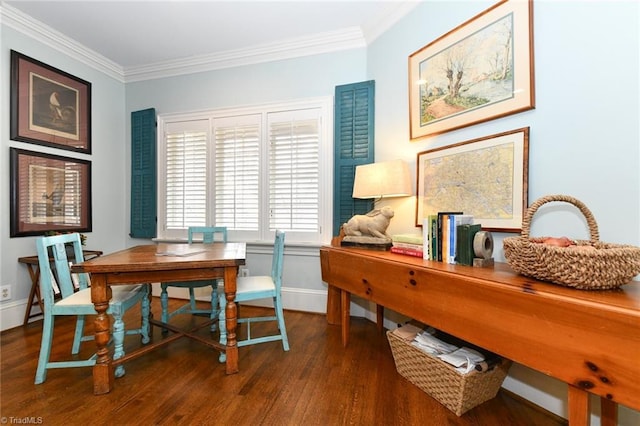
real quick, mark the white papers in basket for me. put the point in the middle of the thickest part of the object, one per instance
(431, 344)
(464, 359)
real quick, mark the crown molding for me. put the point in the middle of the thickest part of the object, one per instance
(46, 35)
(349, 38)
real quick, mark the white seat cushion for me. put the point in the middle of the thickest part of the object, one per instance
(119, 293)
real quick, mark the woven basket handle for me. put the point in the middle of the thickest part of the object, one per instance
(526, 220)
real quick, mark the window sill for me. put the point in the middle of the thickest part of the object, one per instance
(263, 247)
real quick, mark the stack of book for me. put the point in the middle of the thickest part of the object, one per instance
(408, 244)
(448, 237)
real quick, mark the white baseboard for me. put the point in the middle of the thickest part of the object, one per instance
(12, 314)
(295, 299)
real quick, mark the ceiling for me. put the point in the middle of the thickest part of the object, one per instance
(136, 34)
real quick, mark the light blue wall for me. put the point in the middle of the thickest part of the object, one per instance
(584, 131)
(304, 77)
(109, 168)
(584, 138)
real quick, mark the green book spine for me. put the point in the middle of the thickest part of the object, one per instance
(433, 253)
(464, 241)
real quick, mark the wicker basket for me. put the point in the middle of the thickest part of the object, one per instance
(608, 266)
(458, 392)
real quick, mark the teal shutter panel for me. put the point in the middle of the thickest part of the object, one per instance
(143, 174)
(354, 145)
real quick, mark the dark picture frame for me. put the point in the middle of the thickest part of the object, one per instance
(479, 71)
(49, 107)
(486, 177)
(48, 193)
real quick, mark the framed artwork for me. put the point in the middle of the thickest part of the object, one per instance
(48, 106)
(479, 71)
(485, 177)
(48, 193)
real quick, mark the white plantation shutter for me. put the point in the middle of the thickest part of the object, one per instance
(294, 170)
(237, 172)
(186, 174)
(251, 169)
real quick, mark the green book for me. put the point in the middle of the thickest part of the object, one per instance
(464, 242)
(433, 236)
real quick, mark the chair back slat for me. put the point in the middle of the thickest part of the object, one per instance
(53, 250)
(278, 259)
(210, 234)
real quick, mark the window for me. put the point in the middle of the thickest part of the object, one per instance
(253, 170)
(185, 192)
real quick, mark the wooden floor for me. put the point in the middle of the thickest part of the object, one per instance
(317, 382)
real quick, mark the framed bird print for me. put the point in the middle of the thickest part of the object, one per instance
(48, 193)
(48, 106)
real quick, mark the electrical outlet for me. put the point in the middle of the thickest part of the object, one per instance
(5, 292)
(244, 272)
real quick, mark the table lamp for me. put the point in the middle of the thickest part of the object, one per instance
(382, 180)
(377, 180)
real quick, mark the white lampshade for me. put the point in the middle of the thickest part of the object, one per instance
(384, 179)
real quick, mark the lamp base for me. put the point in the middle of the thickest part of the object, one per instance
(371, 243)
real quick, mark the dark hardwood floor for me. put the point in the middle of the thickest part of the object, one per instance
(318, 382)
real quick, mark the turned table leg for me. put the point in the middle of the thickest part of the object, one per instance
(231, 312)
(103, 374)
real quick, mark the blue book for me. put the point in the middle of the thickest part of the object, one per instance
(456, 220)
(441, 257)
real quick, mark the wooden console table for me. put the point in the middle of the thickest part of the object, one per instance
(588, 339)
(34, 272)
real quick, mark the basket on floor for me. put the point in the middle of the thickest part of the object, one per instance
(605, 266)
(456, 391)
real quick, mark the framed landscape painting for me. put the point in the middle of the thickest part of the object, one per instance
(48, 193)
(477, 72)
(485, 177)
(48, 106)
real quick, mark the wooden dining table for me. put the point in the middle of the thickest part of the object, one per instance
(154, 263)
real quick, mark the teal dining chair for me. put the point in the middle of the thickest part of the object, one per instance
(260, 287)
(209, 235)
(64, 293)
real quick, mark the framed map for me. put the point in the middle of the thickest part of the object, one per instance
(485, 177)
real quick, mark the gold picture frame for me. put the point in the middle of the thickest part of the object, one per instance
(485, 177)
(479, 71)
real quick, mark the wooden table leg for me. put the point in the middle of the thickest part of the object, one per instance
(345, 301)
(103, 372)
(578, 406)
(380, 318)
(231, 312)
(608, 412)
(333, 305)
